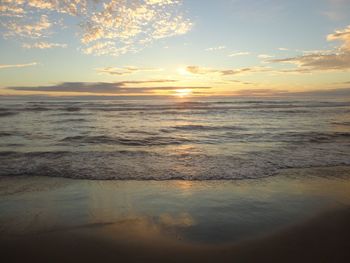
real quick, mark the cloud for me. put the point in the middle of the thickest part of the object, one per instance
(71, 7)
(123, 26)
(107, 48)
(327, 93)
(319, 51)
(107, 27)
(43, 45)
(222, 72)
(147, 81)
(6, 66)
(329, 60)
(30, 29)
(265, 56)
(319, 62)
(10, 9)
(239, 54)
(215, 48)
(124, 87)
(124, 71)
(343, 36)
(283, 49)
(238, 82)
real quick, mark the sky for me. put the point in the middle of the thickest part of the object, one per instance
(174, 47)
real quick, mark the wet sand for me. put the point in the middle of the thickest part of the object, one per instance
(298, 216)
(325, 238)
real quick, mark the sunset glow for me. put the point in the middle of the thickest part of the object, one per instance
(183, 92)
(168, 44)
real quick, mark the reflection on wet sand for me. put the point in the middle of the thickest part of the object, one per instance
(142, 229)
(213, 211)
(63, 220)
(324, 238)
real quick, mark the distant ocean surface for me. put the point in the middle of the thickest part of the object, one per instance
(171, 139)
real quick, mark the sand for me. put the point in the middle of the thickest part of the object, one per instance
(298, 216)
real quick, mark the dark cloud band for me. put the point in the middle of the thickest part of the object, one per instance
(107, 88)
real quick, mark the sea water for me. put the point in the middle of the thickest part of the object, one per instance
(163, 139)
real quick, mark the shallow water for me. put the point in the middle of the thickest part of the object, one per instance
(178, 139)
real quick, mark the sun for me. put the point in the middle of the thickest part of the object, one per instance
(182, 71)
(183, 92)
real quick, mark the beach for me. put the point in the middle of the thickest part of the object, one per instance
(174, 131)
(300, 215)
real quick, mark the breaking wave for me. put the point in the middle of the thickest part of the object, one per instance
(144, 165)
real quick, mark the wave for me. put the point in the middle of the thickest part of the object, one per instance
(345, 123)
(71, 120)
(49, 107)
(291, 111)
(70, 109)
(5, 134)
(284, 137)
(218, 107)
(161, 107)
(144, 165)
(314, 137)
(148, 141)
(71, 114)
(306, 103)
(142, 132)
(37, 108)
(7, 113)
(193, 127)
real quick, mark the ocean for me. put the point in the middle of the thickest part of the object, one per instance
(193, 139)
